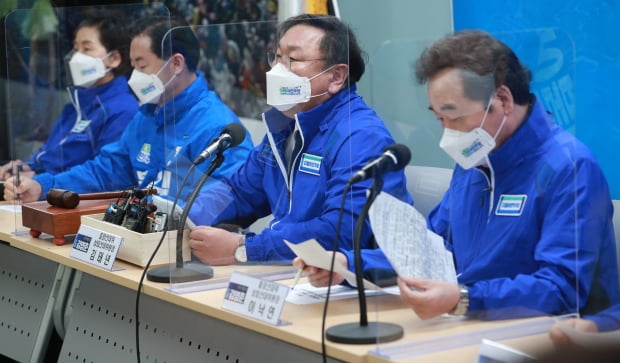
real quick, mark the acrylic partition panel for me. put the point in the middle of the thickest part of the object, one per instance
(520, 229)
(54, 123)
(300, 201)
(48, 113)
(233, 62)
(39, 47)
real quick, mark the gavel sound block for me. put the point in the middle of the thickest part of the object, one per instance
(59, 221)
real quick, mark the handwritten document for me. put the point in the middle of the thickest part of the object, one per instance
(412, 249)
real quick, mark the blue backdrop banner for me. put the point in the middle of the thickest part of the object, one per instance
(572, 48)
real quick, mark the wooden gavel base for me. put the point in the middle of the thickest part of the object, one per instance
(41, 217)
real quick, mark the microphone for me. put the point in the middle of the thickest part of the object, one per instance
(232, 135)
(394, 157)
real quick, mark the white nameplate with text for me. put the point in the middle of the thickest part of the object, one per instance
(256, 298)
(96, 247)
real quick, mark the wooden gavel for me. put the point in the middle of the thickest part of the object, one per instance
(67, 199)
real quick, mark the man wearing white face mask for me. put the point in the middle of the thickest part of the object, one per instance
(318, 134)
(101, 103)
(178, 118)
(528, 214)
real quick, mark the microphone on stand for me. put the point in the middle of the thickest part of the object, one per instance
(394, 157)
(232, 135)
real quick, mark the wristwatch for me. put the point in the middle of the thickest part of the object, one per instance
(240, 252)
(463, 305)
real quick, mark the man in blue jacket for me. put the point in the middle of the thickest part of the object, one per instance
(178, 119)
(528, 214)
(318, 134)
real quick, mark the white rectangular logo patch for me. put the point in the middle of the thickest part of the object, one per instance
(510, 205)
(310, 164)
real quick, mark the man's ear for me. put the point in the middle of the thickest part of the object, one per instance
(338, 77)
(505, 96)
(114, 59)
(178, 63)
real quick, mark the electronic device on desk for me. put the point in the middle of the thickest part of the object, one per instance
(60, 214)
(135, 212)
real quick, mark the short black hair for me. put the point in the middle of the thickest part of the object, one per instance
(339, 44)
(169, 36)
(113, 34)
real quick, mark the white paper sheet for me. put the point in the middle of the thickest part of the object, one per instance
(412, 249)
(308, 294)
(314, 254)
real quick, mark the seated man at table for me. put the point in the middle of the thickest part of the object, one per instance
(314, 144)
(528, 214)
(178, 118)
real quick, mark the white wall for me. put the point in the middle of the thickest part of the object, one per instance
(393, 33)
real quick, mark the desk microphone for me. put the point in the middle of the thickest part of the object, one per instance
(232, 135)
(394, 157)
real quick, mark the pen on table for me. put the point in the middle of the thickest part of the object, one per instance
(297, 277)
(17, 181)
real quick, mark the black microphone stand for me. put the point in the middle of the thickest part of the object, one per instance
(364, 332)
(181, 272)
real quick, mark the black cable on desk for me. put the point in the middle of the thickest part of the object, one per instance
(148, 263)
(331, 269)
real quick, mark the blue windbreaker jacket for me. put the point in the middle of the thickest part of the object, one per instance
(159, 145)
(105, 112)
(337, 138)
(534, 235)
(608, 319)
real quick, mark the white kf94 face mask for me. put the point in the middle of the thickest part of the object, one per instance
(86, 70)
(285, 89)
(470, 149)
(148, 87)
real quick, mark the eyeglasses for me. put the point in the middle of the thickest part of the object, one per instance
(273, 58)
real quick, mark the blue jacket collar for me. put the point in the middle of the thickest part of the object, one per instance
(105, 91)
(535, 130)
(310, 121)
(175, 108)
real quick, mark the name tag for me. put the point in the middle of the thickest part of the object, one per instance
(96, 247)
(510, 205)
(80, 127)
(255, 298)
(310, 164)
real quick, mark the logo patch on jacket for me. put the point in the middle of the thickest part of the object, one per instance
(145, 154)
(310, 164)
(80, 126)
(510, 205)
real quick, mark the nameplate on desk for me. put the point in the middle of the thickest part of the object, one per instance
(255, 298)
(96, 247)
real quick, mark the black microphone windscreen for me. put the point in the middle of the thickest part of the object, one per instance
(236, 132)
(139, 193)
(402, 154)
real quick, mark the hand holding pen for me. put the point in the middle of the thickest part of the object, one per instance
(297, 277)
(22, 188)
(18, 181)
